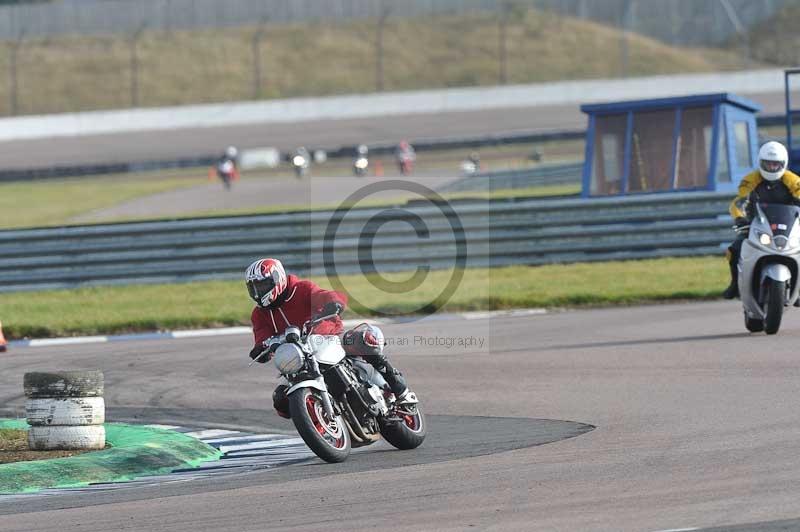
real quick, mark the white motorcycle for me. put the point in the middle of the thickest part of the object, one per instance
(769, 266)
(301, 162)
(337, 402)
(361, 163)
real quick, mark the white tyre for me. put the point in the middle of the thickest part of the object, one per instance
(66, 411)
(56, 437)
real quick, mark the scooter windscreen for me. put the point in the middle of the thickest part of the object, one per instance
(779, 222)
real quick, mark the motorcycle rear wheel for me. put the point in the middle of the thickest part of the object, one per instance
(774, 305)
(407, 432)
(327, 438)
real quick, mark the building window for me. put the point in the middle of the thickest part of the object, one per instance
(651, 151)
(693, 151)
(609, 154)
(723, 170)
(741, 134)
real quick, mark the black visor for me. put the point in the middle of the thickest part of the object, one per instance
(771, 166)
(259, 289)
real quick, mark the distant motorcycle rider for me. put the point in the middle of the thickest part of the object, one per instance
(406, 156)
(227, 166)
(361, 160)
(286, 300)
(771, 183)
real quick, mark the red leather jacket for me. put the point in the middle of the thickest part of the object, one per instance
(301, 300)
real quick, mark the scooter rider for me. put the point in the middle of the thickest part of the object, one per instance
(771, 183)
(286, 300)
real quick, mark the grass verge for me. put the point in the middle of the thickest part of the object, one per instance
(54, 202)
(112, 310)
(14, 448)
(543, 191)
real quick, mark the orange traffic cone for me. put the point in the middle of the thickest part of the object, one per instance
(3, 343)
(378, 168)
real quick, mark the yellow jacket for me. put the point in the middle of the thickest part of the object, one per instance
(749, 184)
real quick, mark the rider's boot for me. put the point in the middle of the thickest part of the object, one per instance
(732, 292)
(397, 383)
(407, 398)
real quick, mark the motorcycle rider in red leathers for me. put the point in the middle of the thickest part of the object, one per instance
(405, 157)
(286, 300)
(226, 168)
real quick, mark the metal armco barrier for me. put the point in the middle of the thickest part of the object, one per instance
(493, 233)
(552, 174)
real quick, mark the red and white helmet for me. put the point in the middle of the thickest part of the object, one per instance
(266, 281)
(364, 340)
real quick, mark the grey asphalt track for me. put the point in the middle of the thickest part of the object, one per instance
(146, 146)
(697, 426)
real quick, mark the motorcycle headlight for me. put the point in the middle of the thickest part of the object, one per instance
(298, 160)
(361, 163)
(765, 239)
(289, 359)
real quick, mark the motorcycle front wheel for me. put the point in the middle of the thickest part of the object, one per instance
(774, 303)
(327, 438)
(753, 324)
(406, 430)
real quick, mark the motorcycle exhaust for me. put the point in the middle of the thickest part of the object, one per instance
(356, 429)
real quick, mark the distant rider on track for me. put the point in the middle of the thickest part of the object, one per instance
(771, 183)
(227, 167)
(285, 300)
(406, 156)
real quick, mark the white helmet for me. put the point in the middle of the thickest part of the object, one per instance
(772, 160)
(231, 152)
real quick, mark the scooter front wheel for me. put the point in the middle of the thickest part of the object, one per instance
(774, 303)
(753, 324)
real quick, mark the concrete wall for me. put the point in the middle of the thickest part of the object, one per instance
(386, 104)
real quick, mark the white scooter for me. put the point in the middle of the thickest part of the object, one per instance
(769, 266)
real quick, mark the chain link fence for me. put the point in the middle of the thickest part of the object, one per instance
(675, 21)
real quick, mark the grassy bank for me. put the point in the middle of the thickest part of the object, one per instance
(773, 41)
(157, 307)
(53, 202)
(182, 67)
(58, 202)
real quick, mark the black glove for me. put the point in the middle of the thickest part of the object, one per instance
(332, 307)
(741, 221)
(257, 350)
